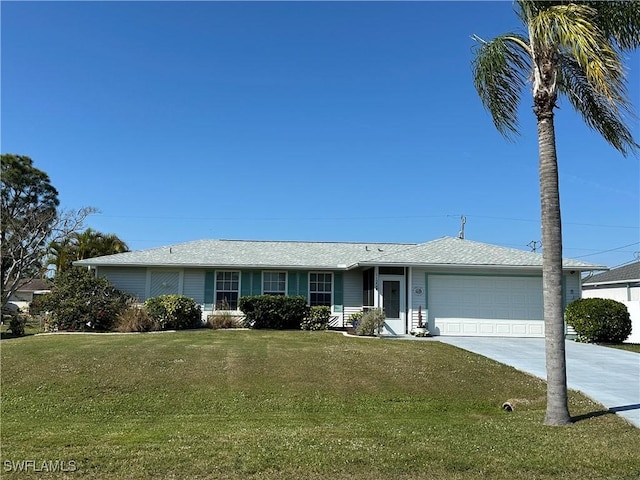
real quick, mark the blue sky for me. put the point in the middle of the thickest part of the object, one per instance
(323, 121)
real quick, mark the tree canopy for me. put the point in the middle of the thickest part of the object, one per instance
(30, 220)
(81, 245)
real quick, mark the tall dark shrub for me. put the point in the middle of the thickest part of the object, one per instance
(273, 311)
(599, 320)
(81, 301)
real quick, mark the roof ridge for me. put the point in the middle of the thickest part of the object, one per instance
(327, 242)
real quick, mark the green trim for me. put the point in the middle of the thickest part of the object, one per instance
(338, 291)
(256, 283)
(303, 284)
(209, 289)
(292, 282)
(245, 283)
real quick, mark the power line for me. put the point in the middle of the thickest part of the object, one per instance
(607, 251)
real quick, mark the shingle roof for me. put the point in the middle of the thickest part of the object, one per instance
(454, 251)
(245, 253)
(35, 285)
(328, 255)
(624, 273)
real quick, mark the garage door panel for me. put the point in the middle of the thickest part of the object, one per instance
(486, 306)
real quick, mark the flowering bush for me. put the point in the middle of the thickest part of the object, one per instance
(174, 312)
(317, 318)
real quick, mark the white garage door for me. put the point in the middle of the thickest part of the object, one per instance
(486, 306)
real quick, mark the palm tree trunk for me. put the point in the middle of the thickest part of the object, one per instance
(557, 401)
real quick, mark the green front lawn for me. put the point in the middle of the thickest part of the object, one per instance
(631, 347)
(299, 405)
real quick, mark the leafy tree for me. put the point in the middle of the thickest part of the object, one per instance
(572, 49)
(81, 301)
(81, 245)
(30, 220)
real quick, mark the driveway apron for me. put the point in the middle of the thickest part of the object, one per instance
(607, 375)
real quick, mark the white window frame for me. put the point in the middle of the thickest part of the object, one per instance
(274, 292)
(216, 289)
(331, 276)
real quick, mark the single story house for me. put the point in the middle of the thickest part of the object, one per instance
(621, 284)
(27, 293)
(459, 287)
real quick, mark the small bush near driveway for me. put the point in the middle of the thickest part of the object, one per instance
(599, 320)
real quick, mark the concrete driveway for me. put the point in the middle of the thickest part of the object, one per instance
(607, 375)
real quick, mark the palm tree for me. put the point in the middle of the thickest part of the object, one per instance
(81, 245)
(572, 49)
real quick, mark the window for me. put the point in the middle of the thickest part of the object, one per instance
(274, 283)
(320, 286)
(227, 287)
(368, 287)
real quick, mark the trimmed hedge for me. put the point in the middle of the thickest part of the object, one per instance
(276, 312)
(599, 320)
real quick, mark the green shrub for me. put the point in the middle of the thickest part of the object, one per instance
(317, 319)
(222, 319)
(273, 311)
(371, 322)
(81, 301)
(136, 319)
(17, 324)
(599, 320)
(355, 318)
(174, 312)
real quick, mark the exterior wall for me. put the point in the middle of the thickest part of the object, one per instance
(630, 297)
(418, 295)
(131, 280)
(352, 294)
(199, 284)
(193, 284)
(621, 293)
(164, 282)
(572, 287)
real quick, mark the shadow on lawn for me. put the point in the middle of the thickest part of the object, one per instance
(611, 411)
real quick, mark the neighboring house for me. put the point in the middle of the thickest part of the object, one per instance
(621, 284)
(27, 293)
(461, 287)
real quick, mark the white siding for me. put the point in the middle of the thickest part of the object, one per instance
(418, 296)
(130, 280)
(352, 293)
(194, 285)
(573, 288)
(621, 294)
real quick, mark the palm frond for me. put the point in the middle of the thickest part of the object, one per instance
(571, 30)
(500, 71)
(619, 21)
(596, 108)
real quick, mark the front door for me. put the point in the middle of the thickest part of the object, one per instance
(391, 290)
